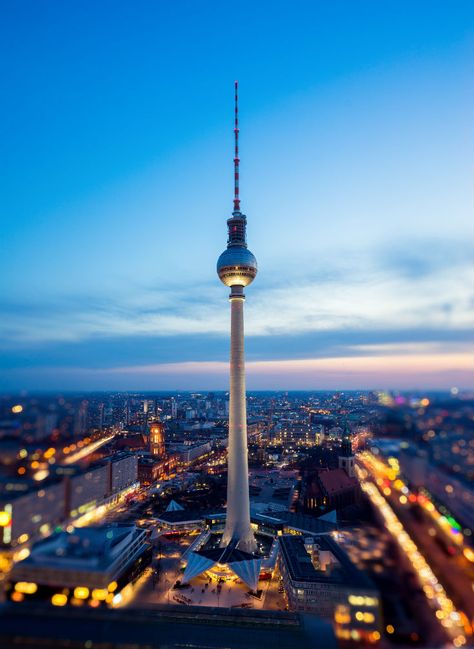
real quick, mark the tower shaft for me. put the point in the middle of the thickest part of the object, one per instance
(238, 506)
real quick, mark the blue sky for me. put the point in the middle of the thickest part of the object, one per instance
(357, 146)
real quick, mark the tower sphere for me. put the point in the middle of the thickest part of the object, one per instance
(237, 266)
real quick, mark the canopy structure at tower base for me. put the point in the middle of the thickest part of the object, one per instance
(244, 565)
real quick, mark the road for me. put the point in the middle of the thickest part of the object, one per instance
(87, 450)
(439, 575)
(454, 571)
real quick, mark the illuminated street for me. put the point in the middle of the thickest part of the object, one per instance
(454, 622)
(454, 570)
(82, 453)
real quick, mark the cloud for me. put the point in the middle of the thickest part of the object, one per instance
(335, 293)
(417, 258)
(341, 306)
(396, 369)
(113, 351)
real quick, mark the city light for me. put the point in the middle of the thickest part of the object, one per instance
(5, 518)
(81, 592)
(27, 588)
(434, 591)
(99, 594)
(387, 474)
(59, 599)
(87, 450)
(357, 616)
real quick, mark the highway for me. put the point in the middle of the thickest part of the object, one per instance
(444, 579)
(87, 450)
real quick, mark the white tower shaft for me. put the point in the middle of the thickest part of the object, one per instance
(238, 506)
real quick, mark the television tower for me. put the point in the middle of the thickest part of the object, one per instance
(237, 268)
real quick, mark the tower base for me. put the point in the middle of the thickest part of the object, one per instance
(245, 542)
(244, 565)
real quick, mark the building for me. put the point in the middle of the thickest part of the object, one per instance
(123, 472)
(272, 490)
(269, 523)
(290, 433)
(91, 565)
(346, 457)
(151, 469)
(100, 484)
(35, 513)
(87, 489)
(174, 408)
(319, 578)
(186, 454)
(157, 439)
(330, 489)
(32, 514)
(129, 442)
(237, 268)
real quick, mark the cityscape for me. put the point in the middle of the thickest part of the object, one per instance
(361, 504)
(282, 453)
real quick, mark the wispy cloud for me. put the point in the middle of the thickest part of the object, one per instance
(389, 368)
(342, 321)
(371, 295)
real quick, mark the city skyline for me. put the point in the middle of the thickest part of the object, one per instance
(360, 138)
(282, 453)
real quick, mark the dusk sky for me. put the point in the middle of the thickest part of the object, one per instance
(357, 178)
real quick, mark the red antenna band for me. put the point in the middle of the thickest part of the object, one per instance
(236, 152)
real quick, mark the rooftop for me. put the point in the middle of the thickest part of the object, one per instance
(336, 480)
(340, 571)
(87, 548)
(300, 522)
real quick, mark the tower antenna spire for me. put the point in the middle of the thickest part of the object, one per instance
(236, 150)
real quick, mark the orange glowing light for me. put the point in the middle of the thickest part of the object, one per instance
(26, 587)
(5, 519)
(81, 592)
(17, 597)
(99, 593)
